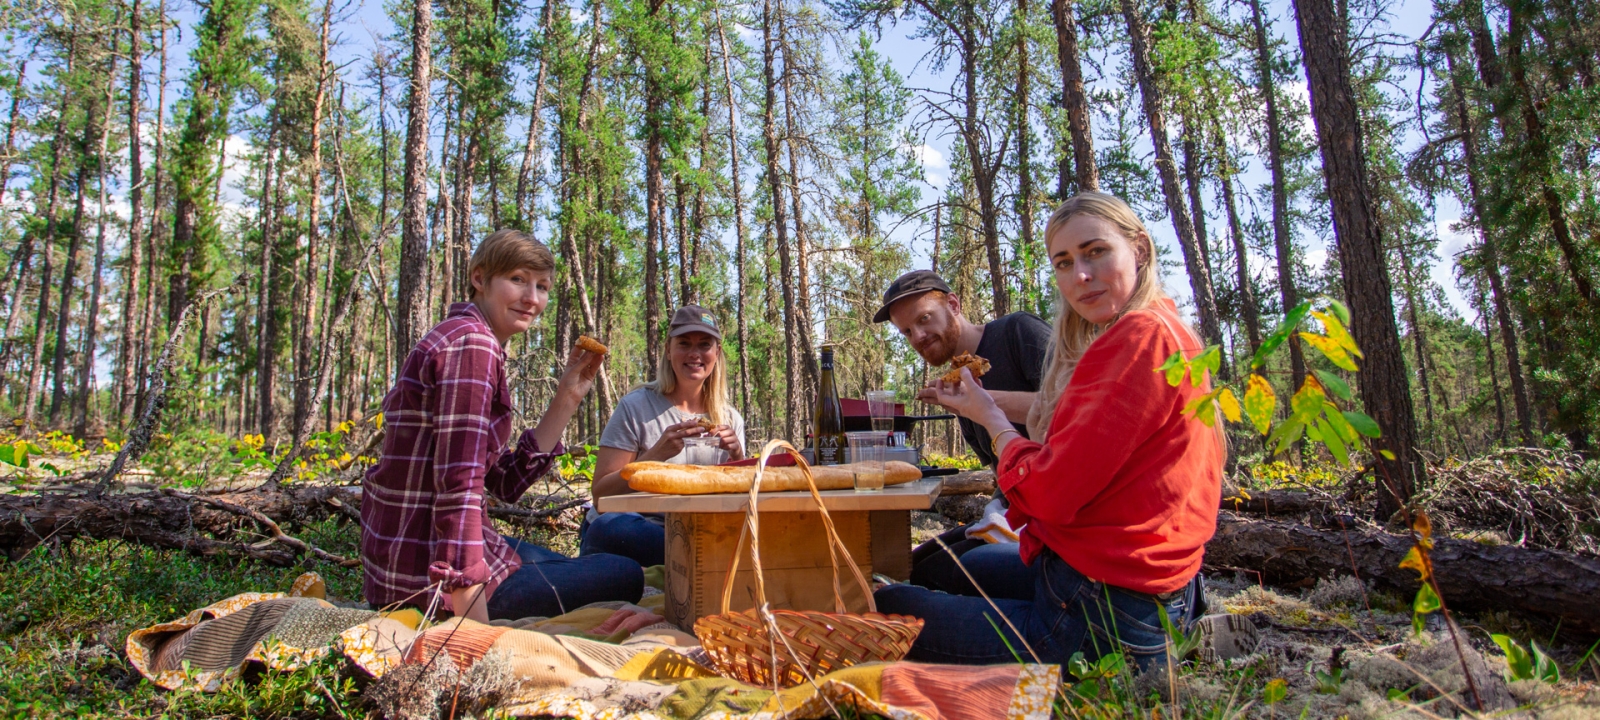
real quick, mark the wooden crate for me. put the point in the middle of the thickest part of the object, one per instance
(794, 560)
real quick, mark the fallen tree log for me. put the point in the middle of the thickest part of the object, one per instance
(971, 482)
(1472, 576)
(202, 523)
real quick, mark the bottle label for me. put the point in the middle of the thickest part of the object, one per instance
(827, 361)
(829, 454)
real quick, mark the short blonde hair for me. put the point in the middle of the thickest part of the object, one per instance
(505, 251)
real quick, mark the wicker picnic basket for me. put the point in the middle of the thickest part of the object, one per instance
(784, 648)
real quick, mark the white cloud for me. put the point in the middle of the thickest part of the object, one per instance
(930, 157)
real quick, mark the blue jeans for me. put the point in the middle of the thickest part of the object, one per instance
(1068, 613)
(997, 567)
(631, 535)
(549, 583)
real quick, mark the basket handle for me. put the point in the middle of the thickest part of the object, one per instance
(752, 529)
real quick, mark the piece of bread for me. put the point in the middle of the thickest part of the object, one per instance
(705, 423)
(592, 345)
(974, 364)
(670, 479)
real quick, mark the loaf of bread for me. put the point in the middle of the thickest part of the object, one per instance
(670, 479)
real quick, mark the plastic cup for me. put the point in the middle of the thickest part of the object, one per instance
(880, 404)
(866, 456)
(702, 450)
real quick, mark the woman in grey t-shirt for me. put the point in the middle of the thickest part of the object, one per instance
(652, 422)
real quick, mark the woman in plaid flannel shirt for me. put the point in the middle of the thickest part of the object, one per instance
(425, 530)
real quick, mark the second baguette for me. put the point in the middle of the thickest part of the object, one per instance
(670, 479)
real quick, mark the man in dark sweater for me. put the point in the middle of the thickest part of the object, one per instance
(928, 315)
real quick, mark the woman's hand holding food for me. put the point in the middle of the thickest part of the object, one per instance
(728, 441)
(671, 442)
(969, 400)
(578, 378)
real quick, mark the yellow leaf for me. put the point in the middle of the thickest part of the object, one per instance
(1229, 404)
(1330, 349)
(1413, 561)
(377, 421)
(1423, 525)
(1307, 402)
(1260, 403)
(1336, 330)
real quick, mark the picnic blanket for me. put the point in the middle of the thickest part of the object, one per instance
(605, 660)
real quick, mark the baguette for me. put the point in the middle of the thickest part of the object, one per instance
(670, 479)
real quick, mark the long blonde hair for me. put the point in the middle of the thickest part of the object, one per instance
(1072, 334)
(714, 393)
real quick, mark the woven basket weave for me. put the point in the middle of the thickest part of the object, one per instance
(784, 648)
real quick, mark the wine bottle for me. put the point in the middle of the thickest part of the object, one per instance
(827, 428)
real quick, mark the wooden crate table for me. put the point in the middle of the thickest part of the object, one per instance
(703, 529)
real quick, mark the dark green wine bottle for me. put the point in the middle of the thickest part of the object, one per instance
(827, 428)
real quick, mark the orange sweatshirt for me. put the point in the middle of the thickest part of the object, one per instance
(1125, 488)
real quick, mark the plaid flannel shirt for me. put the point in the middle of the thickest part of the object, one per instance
(424, 514)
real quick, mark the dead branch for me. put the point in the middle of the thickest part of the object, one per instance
(278, 535)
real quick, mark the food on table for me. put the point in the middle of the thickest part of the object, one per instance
(592, 345)
(974, 364)
(659, 477)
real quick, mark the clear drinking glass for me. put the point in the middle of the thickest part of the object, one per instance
(880, 404)
(867, 455)
(702, 450)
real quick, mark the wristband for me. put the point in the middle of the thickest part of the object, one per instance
(994, 442)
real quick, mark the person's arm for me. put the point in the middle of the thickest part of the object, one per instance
(1115, 403)
(608, 472)
(608, 466)
(1014, 403)
(465, 375)
(476, 601)
(514, 472)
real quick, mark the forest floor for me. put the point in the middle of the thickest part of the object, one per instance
(1335, 649)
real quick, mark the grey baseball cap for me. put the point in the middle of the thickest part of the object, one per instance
(912, 283)
(693, 318)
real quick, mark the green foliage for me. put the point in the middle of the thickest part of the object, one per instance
(1528, 663)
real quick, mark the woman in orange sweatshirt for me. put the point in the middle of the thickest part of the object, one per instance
(1118, 501)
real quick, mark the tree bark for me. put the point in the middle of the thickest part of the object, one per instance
(91, 326)
(36, 365)
(802, 249)
(1024, 133)
(735, 175)
(1076, 100)
(527, 183)
(769, 132)
(1249, 311)
(1472, 576)
(1491, 263)
(985, 170)
(133, 260)
(16, 265)
(1205, 300)
(1385, 390)
(1282, 240)
(411, 302)
(655, 230)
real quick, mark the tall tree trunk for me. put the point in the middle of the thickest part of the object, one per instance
(1494, 373)
(1385, 392)
(1024, 133)
(1076, 101)
(1199, 278)
(1419, 339)
(1249, 311)
(271, 294)
(16, 265)
(69, 271)
(157, 174)
(36, 368)
(312, 296)
(1282, 240)
(1538, 152)
(91, 324)
(1491, 262)
(985, 170)
(527, 182)
(802, 244)
(780, 223)
(411, 302)
(655, 201)
(735, 174)
(133, 260)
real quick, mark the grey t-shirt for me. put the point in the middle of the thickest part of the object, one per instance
(644, 414)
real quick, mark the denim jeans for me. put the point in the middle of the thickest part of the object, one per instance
(997, 567)
(640, 537)
(549, 583)
(1068, 613)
